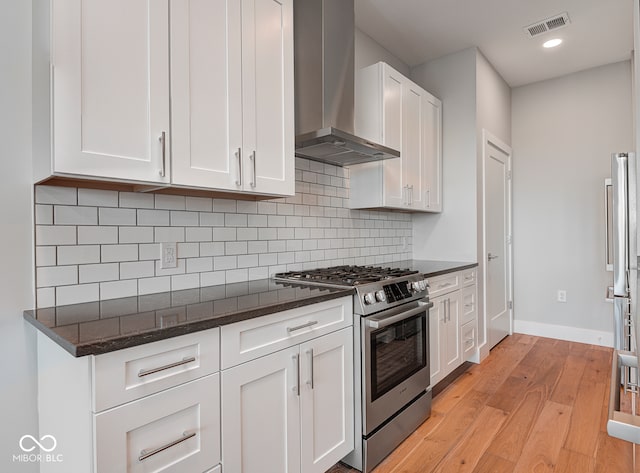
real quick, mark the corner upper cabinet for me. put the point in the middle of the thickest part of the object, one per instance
(232, 95)
(392, 110)
(187, 93)
(109, 90)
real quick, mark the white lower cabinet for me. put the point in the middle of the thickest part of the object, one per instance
(173, 431)
(452, 322)
(292, 410)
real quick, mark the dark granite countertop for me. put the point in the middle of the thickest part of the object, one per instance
(431, 268)
(99, 327)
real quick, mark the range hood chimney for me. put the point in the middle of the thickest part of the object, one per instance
(324, 85)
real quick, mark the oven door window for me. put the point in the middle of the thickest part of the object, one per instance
(397, 352)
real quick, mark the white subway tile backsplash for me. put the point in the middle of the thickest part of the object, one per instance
(136, 200)
(219, 240)
(195, 234)
(116, 289)
(74, 215)
(83, 254)
(46, 255)
(212, 248)
(98, 272)
(212, 278)
(55, 235)
(224, 262)
(185, 281)
(97, 235)
(111, 216)
(170, 202)
(154, 285)
(77, 294)
(199, 265)
(224, 205)
(48, 276)
(199, 204)
(184, 219)
(46, 297)
(169, 234)
(44, 214)
(118, 253)
(56, 195)
(97, 198)
(211, 219)
(137, 269)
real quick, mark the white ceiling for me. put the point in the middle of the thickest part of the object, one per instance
(417, 31)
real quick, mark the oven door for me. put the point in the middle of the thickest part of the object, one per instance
(395, 361)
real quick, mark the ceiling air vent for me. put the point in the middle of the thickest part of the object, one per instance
(555, 22)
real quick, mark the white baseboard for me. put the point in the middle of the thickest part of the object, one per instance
(561, 332)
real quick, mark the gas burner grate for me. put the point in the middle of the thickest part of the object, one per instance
(345, 275)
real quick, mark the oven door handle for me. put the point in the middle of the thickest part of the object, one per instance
(386, 321)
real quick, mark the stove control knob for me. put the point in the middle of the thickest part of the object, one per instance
(415, 287)
(369, 298)
(380, 296)
(422, 284)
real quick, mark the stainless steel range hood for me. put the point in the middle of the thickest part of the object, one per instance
(324, 84)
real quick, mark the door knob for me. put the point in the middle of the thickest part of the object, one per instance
(490, 256)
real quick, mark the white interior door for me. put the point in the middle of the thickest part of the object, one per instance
(497, 240)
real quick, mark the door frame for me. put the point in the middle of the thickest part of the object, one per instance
(488, 139)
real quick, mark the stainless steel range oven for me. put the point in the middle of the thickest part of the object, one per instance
(391, 343)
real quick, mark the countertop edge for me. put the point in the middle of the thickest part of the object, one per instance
(450, 270)
(141, 338)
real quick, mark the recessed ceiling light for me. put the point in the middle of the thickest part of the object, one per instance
(552, 43)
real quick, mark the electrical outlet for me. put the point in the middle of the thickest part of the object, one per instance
(168, 255)
(562, 295)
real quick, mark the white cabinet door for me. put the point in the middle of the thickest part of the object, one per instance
(176, 430)
(110, 62)
(431, 192)
(436, 339)
(412, 145)
(267, 105)
(392, 131)
(206, 93)
(261, 416)
(326, 402)
(452, 355)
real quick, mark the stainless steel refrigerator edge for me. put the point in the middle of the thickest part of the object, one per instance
(624, 178)
(625, 264)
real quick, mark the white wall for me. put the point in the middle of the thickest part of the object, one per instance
(368, 51)
(17, 340)
(451, 235)
(564, 131)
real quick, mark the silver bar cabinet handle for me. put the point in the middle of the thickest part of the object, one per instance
(144, 454)
(239, 159)
(253, 159)
(296, 388)
(300, 327)
(448, 310)
(143, 373)
(163, 147)
(490, 256)
(310, 353)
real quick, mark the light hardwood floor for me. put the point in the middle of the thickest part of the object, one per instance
(534, 405)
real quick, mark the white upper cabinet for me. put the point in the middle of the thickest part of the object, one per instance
(110, 94)
(232, 95)
(393, 111)
(191, 93)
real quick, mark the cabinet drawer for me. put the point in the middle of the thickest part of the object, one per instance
(469, 277)
(173, 431)
(468, 339)
(129, 374)
(469, 309)
(250, 339)
(444, 284)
